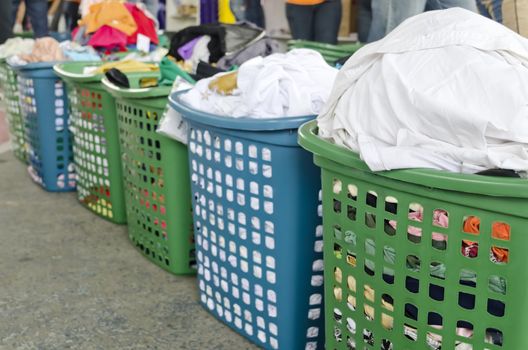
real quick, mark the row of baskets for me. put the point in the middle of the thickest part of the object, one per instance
(241, 206)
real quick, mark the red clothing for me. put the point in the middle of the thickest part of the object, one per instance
(145, 25)
(109, 38)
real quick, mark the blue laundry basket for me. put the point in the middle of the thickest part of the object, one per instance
(257, 232)
(44, 107)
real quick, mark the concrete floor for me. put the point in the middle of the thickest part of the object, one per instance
(69, 280)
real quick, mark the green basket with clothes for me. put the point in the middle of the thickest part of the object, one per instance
(156, 180)
(17, 127)
(331, 53)
(96, 142)
(420, 259)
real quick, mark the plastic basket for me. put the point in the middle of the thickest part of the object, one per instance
(331, 53)
(96, 142)
(398, 278)
(9, 84)
(258, 239)
(44, 107)
(156, 180)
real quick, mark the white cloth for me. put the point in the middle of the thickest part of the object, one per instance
(200, 51)
(16, 46)
(297, 83)
(172, 124)
(445, 90)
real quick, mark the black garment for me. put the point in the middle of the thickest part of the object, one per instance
(205, 70)
(315, 22)
(216, 47)
(499, 172)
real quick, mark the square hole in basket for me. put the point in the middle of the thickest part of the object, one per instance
(389, 226)
(389, 254)
(372, 199)
(351, 302)
(351, 283)
(370, 267)
(338, 293)
(494, 336)
(338, 251)
(337, 186)
(370, 220)
(496, 307)
(410, 332)
(369, 293)
(370, 247)
(471, 224)
(436, 292)
(412, 284)
(497, 284)
(338, 275)
(338, 315)
(440, 218)
(468, 278)
(465, 329)
(434, 341)
(501, 230)
(434, 319)
(351, 213)
(352, 192)
(439, 241)
(416, 212)
(499, 255)
(387, 302)
(469, 249)
(336, 206)
(414, 234)
(413, 263)
(391, 205)
(351, 258)
(338, 234)
(437, 270)
(466, 300)
(368, 337)
(411, 311)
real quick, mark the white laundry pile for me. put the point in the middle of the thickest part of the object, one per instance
(16, 46)
(297, 83)
(445, 90)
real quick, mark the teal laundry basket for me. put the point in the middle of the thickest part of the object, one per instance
(44, 107)
(257, 230)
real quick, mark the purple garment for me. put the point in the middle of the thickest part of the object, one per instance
(186, 50)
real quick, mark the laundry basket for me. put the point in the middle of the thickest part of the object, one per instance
(44, 107)
(331, 53)
(258, 235)
(96, 142)
(156, 180)
(420, 259)
(8, 81)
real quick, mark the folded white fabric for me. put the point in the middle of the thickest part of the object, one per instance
(296, 83)
(445, 90)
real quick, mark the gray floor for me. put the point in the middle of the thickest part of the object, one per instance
(69, 280)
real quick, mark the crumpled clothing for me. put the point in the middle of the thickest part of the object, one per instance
(297, 83)
(16, 46)
(76, 52)
(186, 50)
(145, 25)
(127, 66)
(154, 56)
(112, 13)
(263, 47)
(200, 52)
(109, 38)
(45, 49)
(169, 70)
(445, 90)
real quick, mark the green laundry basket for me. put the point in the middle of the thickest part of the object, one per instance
(96, 142)
(331, 53)
(417, 259)
(8, 81)
(156, 177)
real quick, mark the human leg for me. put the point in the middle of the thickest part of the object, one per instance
(37, 11)
(300, 19)
(327, 18)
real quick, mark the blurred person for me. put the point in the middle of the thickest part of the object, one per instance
(314, 20)
(6, 20)
(37, 11)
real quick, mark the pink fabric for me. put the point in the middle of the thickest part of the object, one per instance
(440, 219)
(109, 38)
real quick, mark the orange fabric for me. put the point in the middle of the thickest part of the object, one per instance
(111, 13)
(499, 230)
(305, 2)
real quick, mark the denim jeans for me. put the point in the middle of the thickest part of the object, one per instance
(6, 29)
(152, 6)
(388, 14)
(491, 9)
(315, 22)
(37, 10)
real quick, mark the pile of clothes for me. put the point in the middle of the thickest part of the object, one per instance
(47, 49)
(16, 46)
(114, 25)
(445, 90)
(208, 49)
(297, 83)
